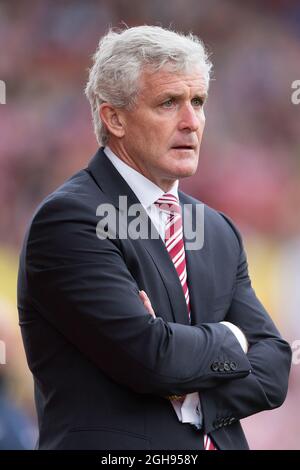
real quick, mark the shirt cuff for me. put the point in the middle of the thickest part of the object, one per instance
(238, 334)
(189, 411)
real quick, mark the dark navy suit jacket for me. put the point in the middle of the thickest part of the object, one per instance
(102, 366)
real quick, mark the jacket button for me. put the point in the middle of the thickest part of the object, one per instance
(215, 366)
(233, 365)
(226, 366)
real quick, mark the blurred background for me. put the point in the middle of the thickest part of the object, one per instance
(249, 166)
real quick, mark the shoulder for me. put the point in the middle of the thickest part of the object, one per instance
(78, 194)
(64, 226)
(66, 213)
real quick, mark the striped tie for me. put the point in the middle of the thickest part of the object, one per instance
(174, 240)
(169, 204)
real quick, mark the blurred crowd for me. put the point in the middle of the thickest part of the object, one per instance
(250, 156)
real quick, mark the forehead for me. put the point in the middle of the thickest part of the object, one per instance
(166, 81)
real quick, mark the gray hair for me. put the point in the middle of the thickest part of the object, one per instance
(121, 56)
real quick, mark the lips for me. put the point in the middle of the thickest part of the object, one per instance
(183, 147)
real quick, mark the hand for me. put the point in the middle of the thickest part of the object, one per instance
(147, 304)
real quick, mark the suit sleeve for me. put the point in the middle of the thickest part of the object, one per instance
(269, 355)
(82, 287)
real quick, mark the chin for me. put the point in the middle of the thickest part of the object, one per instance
(183, 173)
(187, 173)
(187, 170)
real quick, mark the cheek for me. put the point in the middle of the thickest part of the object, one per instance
(201, 126)
(202, 120)
(151, 133)
(165, 131)
(157, 135)
(143, 129)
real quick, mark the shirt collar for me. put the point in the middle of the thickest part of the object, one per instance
(145, 190)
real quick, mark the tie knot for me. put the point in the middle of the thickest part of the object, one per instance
(168, 203)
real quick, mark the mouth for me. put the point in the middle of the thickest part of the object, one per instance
(183, 147)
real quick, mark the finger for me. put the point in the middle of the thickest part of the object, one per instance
(143, 295)
(147, 304)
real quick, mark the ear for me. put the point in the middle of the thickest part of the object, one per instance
(112, 119)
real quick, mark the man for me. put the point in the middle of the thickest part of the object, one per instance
(124, 335)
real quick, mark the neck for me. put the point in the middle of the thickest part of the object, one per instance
(165, 184)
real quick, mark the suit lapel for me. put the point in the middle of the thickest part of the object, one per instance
(200, 276)
(113, 185)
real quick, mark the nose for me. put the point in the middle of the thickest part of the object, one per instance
(190, 118)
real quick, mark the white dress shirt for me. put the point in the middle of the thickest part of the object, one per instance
(147, 193)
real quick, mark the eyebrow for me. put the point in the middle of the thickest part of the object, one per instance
(174, 94)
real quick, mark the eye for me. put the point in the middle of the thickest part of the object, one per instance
(168, 103)
(198, 102)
